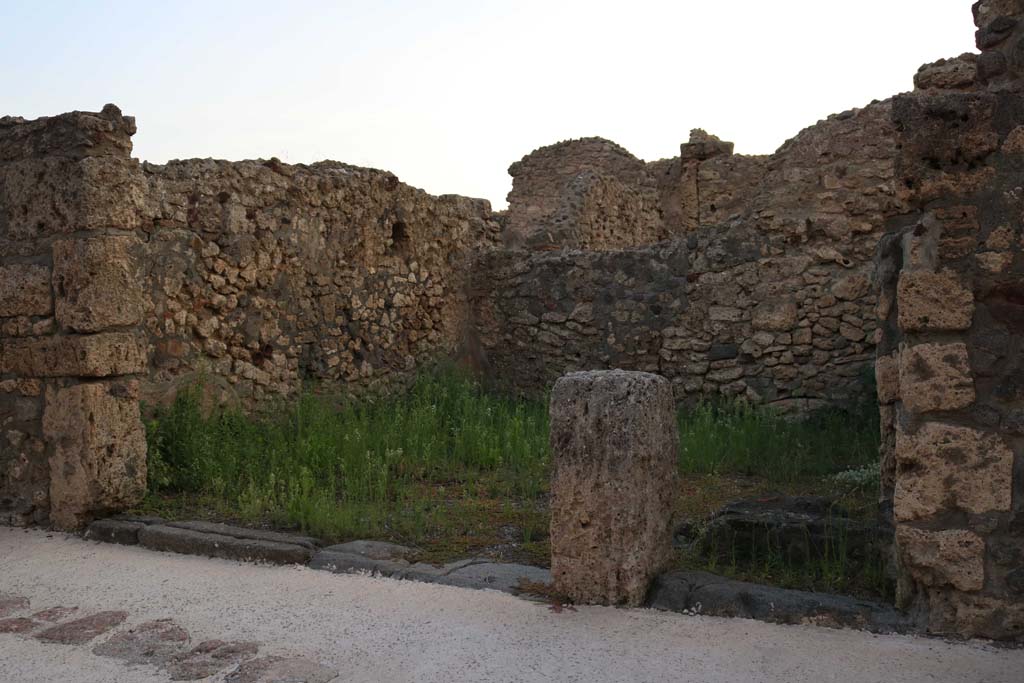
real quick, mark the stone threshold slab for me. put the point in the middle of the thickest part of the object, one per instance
(685, 592)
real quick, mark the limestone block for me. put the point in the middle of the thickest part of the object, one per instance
(97, 283)
(933, 301)
(944, 467)
(776, 316)
(98, 463)
(614, 442)
(887, 378)
(92, 355)
(935, 377)
(954, 557)
(25, 290)
(57, 195)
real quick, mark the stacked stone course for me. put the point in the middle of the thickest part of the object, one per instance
(949, 367)
(71, 348)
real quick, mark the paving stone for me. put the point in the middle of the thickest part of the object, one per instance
(81, 631)
(349, 563)
(18, 625)
(55, 614)
(281, 670)
(375, 550)
(243, 533)
(178, 540)
(693, 592)
(141, 519)
(9, 604)
(114, 531)
(474, 572)
(152, 642)
(504, 577)
(207, 658)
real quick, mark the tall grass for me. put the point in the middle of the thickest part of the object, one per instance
(737, 438)
(444, 459)
(358, 469)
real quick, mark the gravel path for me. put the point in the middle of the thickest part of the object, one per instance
(382, 630)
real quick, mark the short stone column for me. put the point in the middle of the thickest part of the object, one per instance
(614, 445)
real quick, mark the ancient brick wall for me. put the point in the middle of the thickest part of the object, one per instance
(770, 262)
(263, 275)
(71, 304)
(951, 359)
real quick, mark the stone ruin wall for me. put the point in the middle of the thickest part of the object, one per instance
(123, 282)
(749, 276)
(263, 276)
(951, 359)
(772, 278)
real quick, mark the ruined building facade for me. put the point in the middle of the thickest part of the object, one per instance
(894, 229)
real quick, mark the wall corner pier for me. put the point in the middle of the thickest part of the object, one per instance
(951, 354)
(72, 443)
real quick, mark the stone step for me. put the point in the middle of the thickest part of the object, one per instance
(694, 592)
(191, 542)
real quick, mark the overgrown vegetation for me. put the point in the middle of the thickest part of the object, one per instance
(738, 438)
(457, 470)
(409, 467)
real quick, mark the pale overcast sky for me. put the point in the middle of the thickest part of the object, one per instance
(447, 94)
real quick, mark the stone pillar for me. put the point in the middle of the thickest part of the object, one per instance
(614, 445)
(72, 444)
(951, 362)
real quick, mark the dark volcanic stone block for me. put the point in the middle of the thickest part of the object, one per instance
(703, 593)
(114, 531)
(243, 533)
(177, 540)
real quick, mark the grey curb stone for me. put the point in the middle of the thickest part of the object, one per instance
(189, 542)
(114, 531)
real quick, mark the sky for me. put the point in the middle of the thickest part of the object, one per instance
(447, 93)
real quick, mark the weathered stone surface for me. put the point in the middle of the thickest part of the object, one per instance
(375, 550)
(18, 625)
(81, 631)
(948, 74)
(933, 301)
(971, 615)
(614, 442)
(74, 135)
(276, 669)
(25, 290)
(779, 316)
(173, 539)
(94, 355)
(935, 377)
(98, 462)
(243, 533)
(500, 576)
(947, 467)
(97, 283)
(151, 642)
(114, 531)
(207, 658)
(55, 614)
(703, 593)
(887, 378)
(50, 196)
(10, 604)
(953, 557)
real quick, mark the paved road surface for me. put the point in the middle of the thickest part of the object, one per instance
(382, 630)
